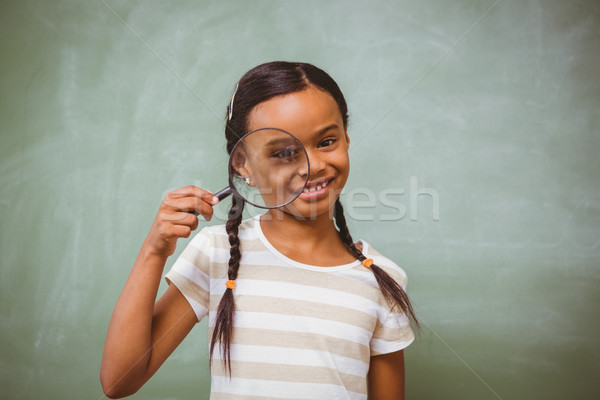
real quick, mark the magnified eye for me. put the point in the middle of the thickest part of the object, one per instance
(288, 153)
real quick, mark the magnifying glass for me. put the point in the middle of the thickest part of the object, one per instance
(268, 168)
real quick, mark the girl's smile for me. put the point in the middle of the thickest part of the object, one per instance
(316, 189)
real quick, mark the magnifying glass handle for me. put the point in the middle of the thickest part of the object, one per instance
(221, 194)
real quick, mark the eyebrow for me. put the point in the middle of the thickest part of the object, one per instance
(274, 142)
(320, 133)
(326, 129)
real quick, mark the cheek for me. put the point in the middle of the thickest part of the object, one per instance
(341, 160)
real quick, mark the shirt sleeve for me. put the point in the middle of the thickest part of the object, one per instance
(191, 272)
(392, 331)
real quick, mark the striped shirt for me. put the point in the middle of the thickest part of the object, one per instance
(300, 331)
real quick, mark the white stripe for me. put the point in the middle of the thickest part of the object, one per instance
(299, 357)
(247, 233)
(188, 270)
(281, 389)
(252, 257)
(288, 323)
(383, 346)
(198, 308)
(201, 240)
(244, 231)
(256, 256)
(396, 321)
(220, 256)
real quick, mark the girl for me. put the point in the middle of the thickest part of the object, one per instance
(297, 309)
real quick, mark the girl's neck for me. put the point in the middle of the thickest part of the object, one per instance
(311, 241)
(307, 230)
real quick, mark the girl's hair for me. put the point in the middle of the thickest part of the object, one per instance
(256, 86)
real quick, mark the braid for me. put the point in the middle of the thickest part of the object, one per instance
(344, 233)
(222, 331)
(391, 290)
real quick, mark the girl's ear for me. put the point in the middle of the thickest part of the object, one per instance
(240, 165)
(347, 137)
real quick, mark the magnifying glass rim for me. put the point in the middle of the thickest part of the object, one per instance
(234, 189)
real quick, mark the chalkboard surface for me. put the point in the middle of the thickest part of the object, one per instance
(475, 139)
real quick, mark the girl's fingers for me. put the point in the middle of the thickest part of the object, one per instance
(193, 191)
(175, 218)
(189, 205)
(181, 218)
(171, 233)
(191, 199)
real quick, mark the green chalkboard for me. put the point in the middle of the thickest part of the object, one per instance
(475, 140)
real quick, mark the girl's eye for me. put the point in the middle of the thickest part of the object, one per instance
(327, 142)
(286, 153)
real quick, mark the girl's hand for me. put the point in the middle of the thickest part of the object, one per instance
(176, 219)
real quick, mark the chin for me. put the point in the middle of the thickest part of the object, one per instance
(310, 210)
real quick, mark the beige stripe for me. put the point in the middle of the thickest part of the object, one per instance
(222, 242)
(188, 287)
(250, 245)
(310, 278)
(196, 257)
(276, 273)
(300, 308)
(291, 373)
(249, 223)
(394, 273)
(302, 341)
(400, 334)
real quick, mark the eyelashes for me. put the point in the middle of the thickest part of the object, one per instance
(327, 142)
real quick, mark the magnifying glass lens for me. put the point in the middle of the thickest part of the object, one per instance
(268, 167)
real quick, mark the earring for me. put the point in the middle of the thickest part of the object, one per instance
(247, 180)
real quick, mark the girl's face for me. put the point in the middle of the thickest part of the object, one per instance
(313, 116)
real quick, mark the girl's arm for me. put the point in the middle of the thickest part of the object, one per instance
(386, 376)
(142, 333)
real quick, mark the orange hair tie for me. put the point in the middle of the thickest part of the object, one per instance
(230, 285)
(367, 262)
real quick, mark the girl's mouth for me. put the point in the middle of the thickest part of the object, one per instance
(315, 190)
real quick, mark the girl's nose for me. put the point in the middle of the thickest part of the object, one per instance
(316, 164)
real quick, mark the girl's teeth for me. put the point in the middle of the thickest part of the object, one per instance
(318, 187)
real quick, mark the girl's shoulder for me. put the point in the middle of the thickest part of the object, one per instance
(245, 229)
(385, 263)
